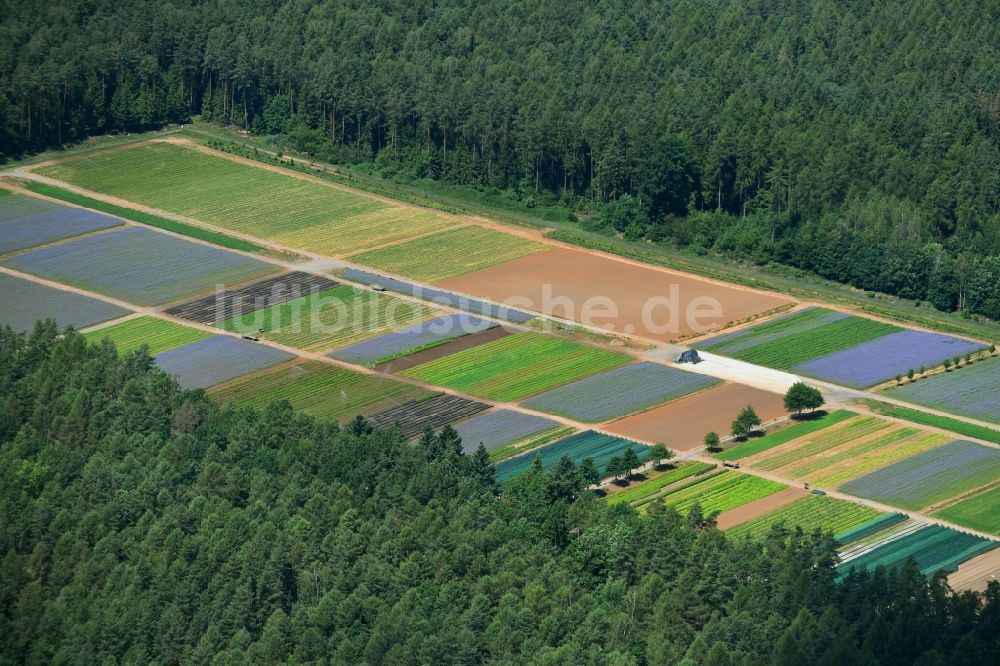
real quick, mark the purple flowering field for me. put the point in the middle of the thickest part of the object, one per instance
(22, 302)
(415, 337)
(218, 359)
(624, 390)
(500, 428)
(973, 390)
(26, 222)
(139, 265)
(929, 477)
(883, 358)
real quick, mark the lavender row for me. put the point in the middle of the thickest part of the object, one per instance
(883, 358)
(139, 265)
(47, 224)
(439, 297)
(415, 337)
(624, 390)
(218, 359)
(500, 428)
(23, 302)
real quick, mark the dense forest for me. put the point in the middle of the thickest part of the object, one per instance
(145, 524)
(857, 140)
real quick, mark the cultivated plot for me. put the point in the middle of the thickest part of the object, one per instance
(613, 294)
(500, 428)
(138, 265)
(793, 431)
(332, 318)
(759, 507)
(722, 492)
(261, 202)
(930, 478)
(589, 444)
(516, 366)
(319, 389)
(228, 303)
(658, 483)
(682, 424)
(621, 391)
(23, 302)
(159, 335)
(973, 390)
(217, 359)
(449, 253)
(412, 339)
(414, 416)
(26, 222)
(980, 511)
(932, 547)
(809, 514)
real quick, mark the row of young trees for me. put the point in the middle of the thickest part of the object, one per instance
(146, 524)
(856, 140)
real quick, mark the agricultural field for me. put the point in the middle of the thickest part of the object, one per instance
(588, 444)
(438, 296)
(809, 513)
(159, 335)
(449, 253)
(973, 391)
(932, 547)
(516, 366)
(980, 511)
(881, 359)
(217, 359)
(280, 207)
(838, 454)
(501, 428)
(795, 431)
(26, 222)
(414, 416)
(25, 302)
(722, 492)
(319, 389)
(330, 319)
(840, 348)
(415, 338)
(138, 265)
(787, 341)
(565, 282)
(963, 428)
(931, 477)
(682, 424)
(646, 491)
(618, 392)
(219, 307)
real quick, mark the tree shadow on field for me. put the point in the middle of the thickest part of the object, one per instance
(809, 416)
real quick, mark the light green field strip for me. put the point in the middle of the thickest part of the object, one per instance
(159, 335)
(723, 492)
(516, 366)
(980, 511)
(324, 391)
(797, 450)
(645, 490)
(450, 253)
(245, 198)
(809, 513)
(333, 318)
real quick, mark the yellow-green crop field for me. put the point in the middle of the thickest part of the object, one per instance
(159, 335)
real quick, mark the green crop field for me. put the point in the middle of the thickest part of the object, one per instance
(723, 492)
(644, 491)
(333, 318)
(783, 436)
(158, 334)
(980, 511)
(877, 453)
(797, 450)
(936, 421)
(516, 366)
(788, 341)
(322, 390)
(450, 253)
(245, 198)
(809, 513)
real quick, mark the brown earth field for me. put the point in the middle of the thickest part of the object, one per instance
(442, 350)
(682, 424)
(615, 294)
(977, 572)
(757, 508)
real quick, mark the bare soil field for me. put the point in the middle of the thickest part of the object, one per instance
(442, 350)
(621, 296)
(977, 572)
(757, 508)
(682, 424)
